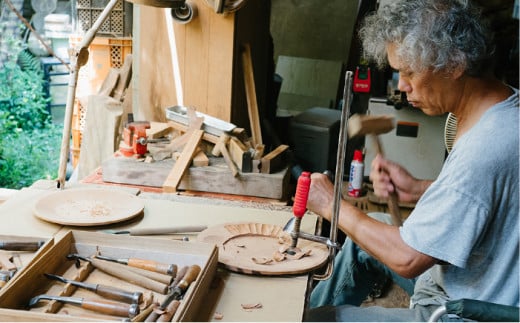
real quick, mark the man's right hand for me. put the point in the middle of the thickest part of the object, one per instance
(387, 177)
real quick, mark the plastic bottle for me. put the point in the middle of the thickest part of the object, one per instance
(355, 185)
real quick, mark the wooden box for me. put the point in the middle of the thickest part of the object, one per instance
(14, 299)
(19, 258)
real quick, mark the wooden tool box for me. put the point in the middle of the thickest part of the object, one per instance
(31, 282)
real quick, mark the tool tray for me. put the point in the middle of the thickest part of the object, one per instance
(23, 259)
(31, 282)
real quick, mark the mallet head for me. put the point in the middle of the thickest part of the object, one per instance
(361, 125)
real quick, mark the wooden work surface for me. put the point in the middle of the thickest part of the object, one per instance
(282, 298)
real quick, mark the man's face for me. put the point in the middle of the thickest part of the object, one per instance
(425, 90)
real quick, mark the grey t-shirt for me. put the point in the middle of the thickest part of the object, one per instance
(468, 218)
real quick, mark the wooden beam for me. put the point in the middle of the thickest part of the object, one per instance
(178, 170)
(183, 128)
(240, 154)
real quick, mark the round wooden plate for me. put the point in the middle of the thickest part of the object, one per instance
(239, 243)
(88, 207)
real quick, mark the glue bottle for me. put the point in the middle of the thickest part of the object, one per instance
(356, 175)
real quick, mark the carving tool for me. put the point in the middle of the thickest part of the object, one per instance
(158, 231)
(21, 245)
(99, 306)
(177, 291)
(120, 272)
(300, 206)
(168, 269)
(113, 293)
(375, 125)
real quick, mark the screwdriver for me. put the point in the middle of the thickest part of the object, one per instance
(103, 290)
(168, 269)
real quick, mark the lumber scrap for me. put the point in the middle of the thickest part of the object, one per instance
(183, 128)
(200, 159)
(275, 160)
(178, 170)
(221, 149)
(240, 155)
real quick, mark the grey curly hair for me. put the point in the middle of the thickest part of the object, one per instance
(430, 34)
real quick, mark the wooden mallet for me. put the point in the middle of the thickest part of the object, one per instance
(361, 125)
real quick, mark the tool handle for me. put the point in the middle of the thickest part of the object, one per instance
(302, 194)
(393, 204)
(129, 276)
(110, 307)
(119, 294)
(189, 277)
(169, 312)
(151, 265)
(21, 245)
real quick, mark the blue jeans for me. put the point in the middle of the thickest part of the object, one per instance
(354, 275)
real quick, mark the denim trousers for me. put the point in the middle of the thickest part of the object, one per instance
(354, 275)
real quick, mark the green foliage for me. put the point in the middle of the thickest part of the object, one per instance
(29, 142)
(30, 155)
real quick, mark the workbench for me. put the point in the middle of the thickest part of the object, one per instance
(282, 297)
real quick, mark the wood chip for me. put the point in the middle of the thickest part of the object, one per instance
(278, 256)
(251, 306)
(218, 316)
(262, 261)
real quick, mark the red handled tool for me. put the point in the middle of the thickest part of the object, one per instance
(300, 204)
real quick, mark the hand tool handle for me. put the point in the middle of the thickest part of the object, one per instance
(21, 245)
(163, 278)
(119, 271)
(119, 294)
(169, 312)
(189, 277)
(393, 204)
(167, 230)
(167, 269)
(302, 194)
(110, 308)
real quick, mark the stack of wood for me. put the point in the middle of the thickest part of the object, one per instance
(192, 147)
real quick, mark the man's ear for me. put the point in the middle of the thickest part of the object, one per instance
(457, 72)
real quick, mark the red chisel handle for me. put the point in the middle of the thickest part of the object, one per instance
(302, 194)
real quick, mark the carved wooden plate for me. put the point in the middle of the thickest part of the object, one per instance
(250, 248)
(88, 207)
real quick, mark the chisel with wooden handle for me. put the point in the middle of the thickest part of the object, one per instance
(124, 274)
(113, 293)
(21, 245)
(163, 278)
(168, 269)
(176, 292)
(99, 306)
(159, 231)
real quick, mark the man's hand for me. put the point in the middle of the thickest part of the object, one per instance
(321, 195)
(387, 176)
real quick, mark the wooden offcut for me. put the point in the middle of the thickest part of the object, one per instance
(252, 105)
(178, 170)
(275, 160)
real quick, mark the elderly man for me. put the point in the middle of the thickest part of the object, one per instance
(462, 238)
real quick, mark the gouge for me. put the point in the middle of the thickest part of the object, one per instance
(122, 273)
(113, 293)
(176, 292)
(99, 306)
(168, 269)
(21, 245)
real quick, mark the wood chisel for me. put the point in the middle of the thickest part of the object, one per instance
(113, 293)
(168, 269)
(21, 245)
(99, 306)
(174, 295)
(159, 231)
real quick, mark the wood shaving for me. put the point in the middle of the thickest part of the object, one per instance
(218, 316)
(284, 238)
(251, 306)
(278, 256)
(262, 261)
(283, 248)
(301, 254)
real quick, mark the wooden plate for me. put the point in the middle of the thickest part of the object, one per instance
(239, 243)
(88, 207)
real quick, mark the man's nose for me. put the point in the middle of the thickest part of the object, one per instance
(403, 85)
